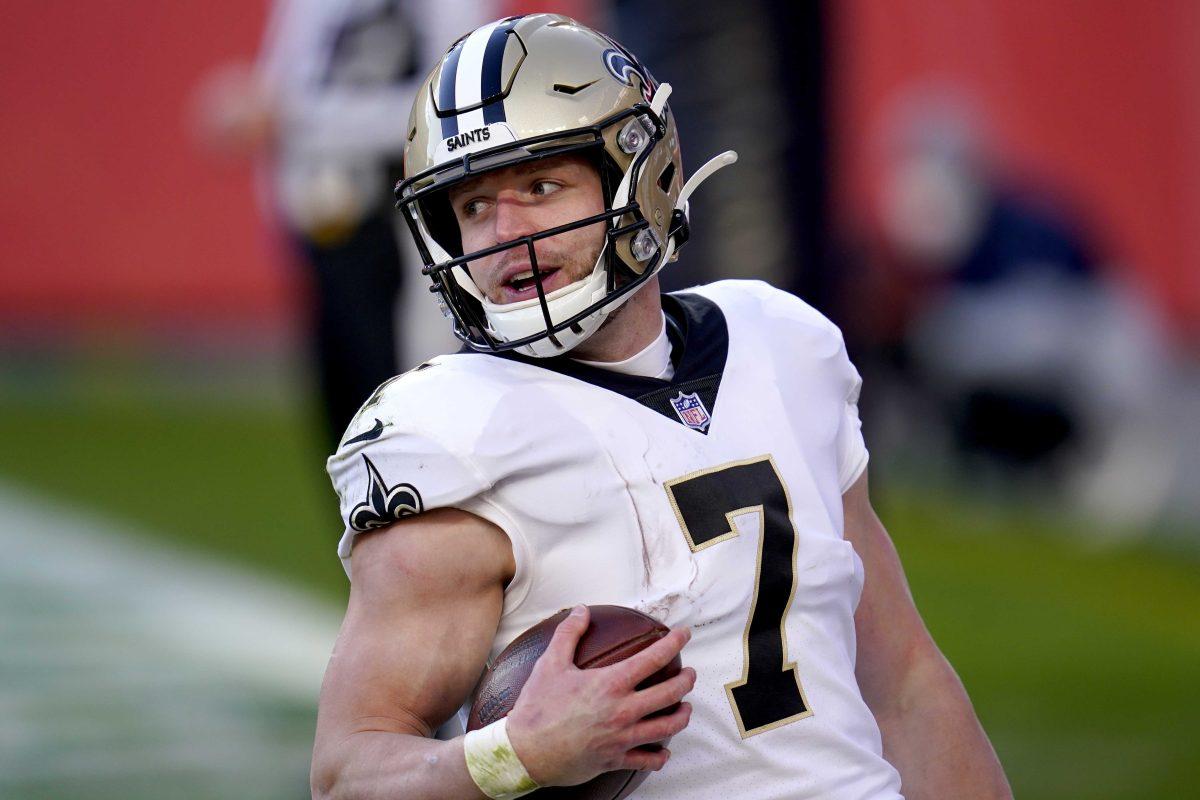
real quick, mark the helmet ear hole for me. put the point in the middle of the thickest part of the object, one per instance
(668, 175)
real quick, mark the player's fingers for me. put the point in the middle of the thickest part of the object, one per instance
(646, 759)
(640, 666)
(567, 635)
(664, 694)
(656, 729)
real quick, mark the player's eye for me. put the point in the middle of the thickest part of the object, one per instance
(545, 187)
(472, 208)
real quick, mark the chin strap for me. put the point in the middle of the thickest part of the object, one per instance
(659, 101)
(657, 104)
(679, 230)
(701, 175)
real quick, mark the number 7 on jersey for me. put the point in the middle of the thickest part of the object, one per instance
(769, 693)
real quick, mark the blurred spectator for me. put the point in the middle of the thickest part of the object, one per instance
(990, 305)
(326, 107)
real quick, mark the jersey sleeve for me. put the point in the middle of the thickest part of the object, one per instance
(394, 470)
(851, 449)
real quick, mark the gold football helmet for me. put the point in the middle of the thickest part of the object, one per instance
(531, 87)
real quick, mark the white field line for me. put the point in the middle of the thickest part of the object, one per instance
(123, 659)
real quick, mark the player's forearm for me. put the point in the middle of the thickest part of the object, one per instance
(933, 738)
(379, 765)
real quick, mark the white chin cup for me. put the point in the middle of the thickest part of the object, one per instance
(514, 321)
(517, 320)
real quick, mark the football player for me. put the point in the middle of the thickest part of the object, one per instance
(696, 456)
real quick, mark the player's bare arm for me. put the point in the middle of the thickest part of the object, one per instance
(930, 731)
(424, 606)
(414, 641)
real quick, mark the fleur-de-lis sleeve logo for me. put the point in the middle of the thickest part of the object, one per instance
(384, 505)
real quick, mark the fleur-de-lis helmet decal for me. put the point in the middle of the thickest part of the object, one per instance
(384, 505)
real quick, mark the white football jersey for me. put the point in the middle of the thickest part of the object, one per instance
(712, 500)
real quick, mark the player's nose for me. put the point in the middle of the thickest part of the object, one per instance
(513, 218)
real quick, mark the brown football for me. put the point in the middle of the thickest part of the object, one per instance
(614, 633)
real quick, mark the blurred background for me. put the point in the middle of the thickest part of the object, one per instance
(199, 282)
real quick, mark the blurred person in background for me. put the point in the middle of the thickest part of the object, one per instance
(992, 303)
(319, 108)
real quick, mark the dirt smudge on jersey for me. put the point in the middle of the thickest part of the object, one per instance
(670, 609)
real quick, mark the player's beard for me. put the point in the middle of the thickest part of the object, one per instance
(575, 261)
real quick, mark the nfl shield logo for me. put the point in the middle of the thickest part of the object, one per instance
(691, 411)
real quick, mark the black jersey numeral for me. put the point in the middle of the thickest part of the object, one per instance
(769, 693)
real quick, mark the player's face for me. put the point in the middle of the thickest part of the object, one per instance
(527, 198)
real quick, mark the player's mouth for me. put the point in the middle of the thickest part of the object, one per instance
(523, 286)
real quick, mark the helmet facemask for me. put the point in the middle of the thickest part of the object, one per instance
(550, 323)
(533, 87)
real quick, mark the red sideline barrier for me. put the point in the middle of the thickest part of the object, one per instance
(1101, 98)
(110, 214)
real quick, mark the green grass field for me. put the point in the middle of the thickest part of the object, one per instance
(1082, 662)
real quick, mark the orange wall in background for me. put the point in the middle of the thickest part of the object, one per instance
(110, 216)
(1101, 98)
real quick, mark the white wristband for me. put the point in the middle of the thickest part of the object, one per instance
(493, 763)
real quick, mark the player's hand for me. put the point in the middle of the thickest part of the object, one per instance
(570, 724)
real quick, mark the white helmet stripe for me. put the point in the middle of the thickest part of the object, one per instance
(469, 80)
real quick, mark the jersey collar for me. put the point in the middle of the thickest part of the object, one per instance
(699, 347)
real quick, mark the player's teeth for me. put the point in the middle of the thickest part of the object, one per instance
(523, 276)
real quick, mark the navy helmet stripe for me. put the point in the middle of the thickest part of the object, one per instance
(446, 101)
(493, 71)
